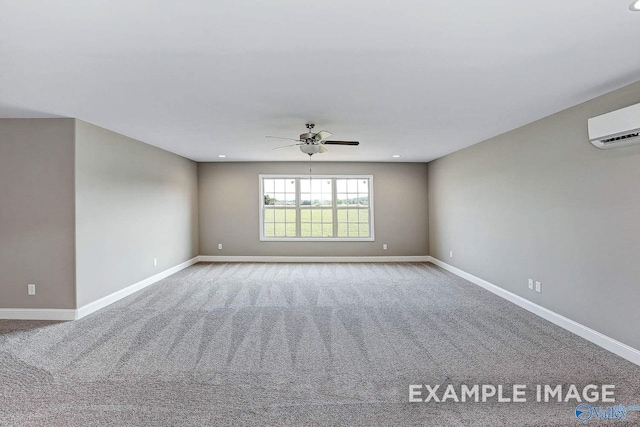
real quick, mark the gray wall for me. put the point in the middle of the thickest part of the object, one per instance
(134, 202)
(37, 213)
(229, 211)
(541, 202)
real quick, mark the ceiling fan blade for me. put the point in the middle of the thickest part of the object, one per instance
(279, 137)
(342, 142)
(322, 150)
(323, 134)
(286, 146)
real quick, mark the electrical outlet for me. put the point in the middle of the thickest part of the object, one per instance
(531, 284)
(538, 286)
(219, 245)
(31, 289)
(155, 261)
(450, 254)
(384, 246)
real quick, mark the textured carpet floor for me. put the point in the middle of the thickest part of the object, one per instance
(296, 344)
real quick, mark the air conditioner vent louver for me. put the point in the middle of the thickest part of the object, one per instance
(618, 138)
(617, 129)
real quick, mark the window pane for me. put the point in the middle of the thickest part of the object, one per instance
(279, 199)
(352, 185)
(305, 186)
(269, 199)
(342, 215)
(291, 215)
(268, 215)
(290, 186)
(269, 230)
(326, 186)
(316, 185)
(279, 183)
(316, 230)
(353, 230)
(327, 216)
(280, 230)
(291, 230)
(305, 230)
(364, 215)
(316, 215)
(352, 215)
(268, 186)
(305, 215)
(278, 215)
(327, 230)
(305, 199)
(343, 230)
(364, 200)
(364, 230)
(342, 199)
(363, 186)
(341, 185)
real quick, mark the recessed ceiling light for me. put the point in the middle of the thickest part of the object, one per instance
(635, 6)
(222, 156)
(398, 155)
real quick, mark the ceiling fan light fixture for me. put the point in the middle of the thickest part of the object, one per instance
(635, 6)
(396, 156)
(222, 156)
(310, 148)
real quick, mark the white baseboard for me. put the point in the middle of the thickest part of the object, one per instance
(74, 314)
(614, 346)
(85, 310)
(206, 258)
(38, 313)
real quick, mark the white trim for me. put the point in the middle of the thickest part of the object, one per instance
(118, 295)
(334, 208)
(38, 313)
(610, 344)
(74, 314)
(353, 259)
(317, 239)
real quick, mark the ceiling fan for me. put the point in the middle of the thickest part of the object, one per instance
(311, 143)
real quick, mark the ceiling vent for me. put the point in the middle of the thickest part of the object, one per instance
(617, 129)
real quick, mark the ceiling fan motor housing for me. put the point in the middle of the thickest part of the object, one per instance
(307, 137)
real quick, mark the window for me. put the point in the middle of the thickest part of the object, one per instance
(317, 208)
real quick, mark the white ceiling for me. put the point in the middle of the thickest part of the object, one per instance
(411, 77)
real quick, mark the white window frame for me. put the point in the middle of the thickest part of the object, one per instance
(334, 208)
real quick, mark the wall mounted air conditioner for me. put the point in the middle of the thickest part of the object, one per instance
(616, 129)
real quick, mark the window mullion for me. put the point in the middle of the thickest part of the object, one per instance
(298, 209)
(334, 207)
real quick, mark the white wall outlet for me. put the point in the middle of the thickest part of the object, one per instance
(155, 261)
(450, 254)
(384, 246)
(219, 245)
(31, 289)
(538, 286)
(531, 284)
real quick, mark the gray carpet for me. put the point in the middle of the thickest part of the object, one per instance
(296, 344)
